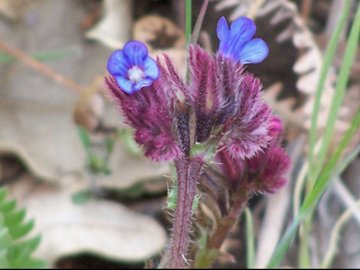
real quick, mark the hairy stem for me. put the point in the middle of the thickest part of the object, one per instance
(188, 172)
(207, 259)
(222, 230)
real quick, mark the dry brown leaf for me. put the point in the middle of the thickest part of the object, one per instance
(44, 137)
(40, 132)
(159, 33)
(162, 36)
(129, 170)
(90, 105)
(102, 227)
(36, 122)
(177, 56)
(283, 107)
(13, 9)
(115, 26)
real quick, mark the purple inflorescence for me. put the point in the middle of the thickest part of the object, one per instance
(218, 116)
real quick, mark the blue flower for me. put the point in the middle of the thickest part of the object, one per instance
(238, 43)
(132, 68)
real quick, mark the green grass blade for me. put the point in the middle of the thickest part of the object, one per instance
(285, 243)
(250, 239)
(349, 56)
(328, 57)
(325, 177)
(316, 193)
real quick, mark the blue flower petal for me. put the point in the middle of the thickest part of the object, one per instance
(241, 31)
(253, 52)
(135, 52)
(222, 29)
(151, 69)
(223, 33)
(244, 27)
(145, 82)
(117, 64)
(125, 85)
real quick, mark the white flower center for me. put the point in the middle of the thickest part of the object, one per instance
(135, 74)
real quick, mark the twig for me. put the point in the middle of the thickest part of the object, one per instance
(346, 198)
(199, 21)
(335, 233)
(306, 9)
(40, 67)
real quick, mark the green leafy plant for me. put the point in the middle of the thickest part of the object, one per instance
(16, 248)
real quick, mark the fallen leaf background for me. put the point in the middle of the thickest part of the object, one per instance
(98, 226)
(37, 126)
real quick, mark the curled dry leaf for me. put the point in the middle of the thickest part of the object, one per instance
(158, 33)
(162, 36)
(129, 170)
(283, 107)
(177, 56)
(90, 106)
(101, 227)
(115, 26)
(36, 122)
(13, 9)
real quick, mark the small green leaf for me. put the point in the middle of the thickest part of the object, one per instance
(195, 204)
(3, 259)
(126, 136)
(13, 218)
(21, 251)
(81, 197)
(84, 138)
(34, 264)
(109, 142)
(8, 206)
(21, 230)
(5, 239)
(14, 251)
(3, 194)
(172, 198)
